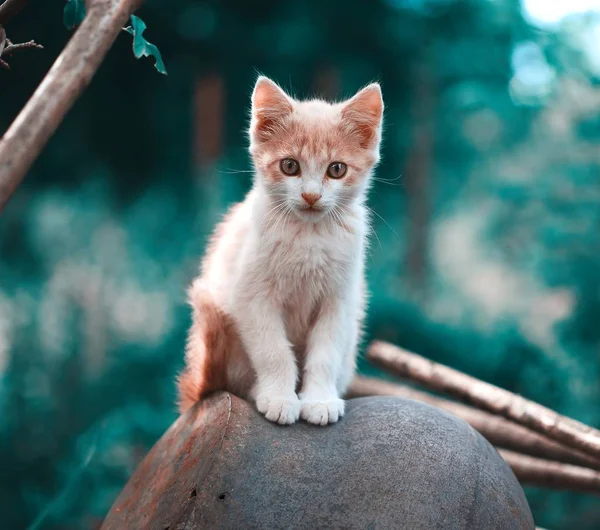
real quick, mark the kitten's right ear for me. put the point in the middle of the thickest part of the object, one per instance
(270, 105)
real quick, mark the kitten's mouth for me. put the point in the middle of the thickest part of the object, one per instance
(310, 212)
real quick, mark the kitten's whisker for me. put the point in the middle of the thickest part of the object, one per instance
(274, 221)
(388, 224)
(234, 171)
(373, 231)
(276, 205)
(285, 220)
(387, 182)
(337, 218)
(369, 224)
(379, 179)
(280, 217)
(272, 211)
(341, 207)
(345, 201)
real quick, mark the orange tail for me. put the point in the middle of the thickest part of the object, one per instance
(206, 350)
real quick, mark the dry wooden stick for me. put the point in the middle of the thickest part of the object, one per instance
(8, 48)
(12, 47)
(550, 474)
(441, 378)
(66, 80)
(497, 429)
(2, 40)
(10, 8)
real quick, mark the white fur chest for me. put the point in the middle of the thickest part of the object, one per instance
(309, 262)
(305, 268)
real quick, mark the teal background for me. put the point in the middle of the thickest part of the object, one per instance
(488, 259)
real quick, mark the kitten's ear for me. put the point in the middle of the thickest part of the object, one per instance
(365, 113)
(270, 105)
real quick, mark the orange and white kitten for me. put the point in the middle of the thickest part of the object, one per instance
(279, 304)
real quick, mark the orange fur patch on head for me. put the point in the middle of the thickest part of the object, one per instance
(315, 133)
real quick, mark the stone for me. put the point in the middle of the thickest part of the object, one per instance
(389, 463)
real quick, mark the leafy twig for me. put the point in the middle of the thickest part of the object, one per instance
(141, 47)
(69, 76)
(74, 13)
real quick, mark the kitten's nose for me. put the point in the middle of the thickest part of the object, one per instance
(311, 198)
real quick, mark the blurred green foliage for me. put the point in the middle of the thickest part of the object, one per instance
(74, 13)
(488, 259)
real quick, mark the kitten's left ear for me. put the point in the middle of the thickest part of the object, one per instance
(365, 113)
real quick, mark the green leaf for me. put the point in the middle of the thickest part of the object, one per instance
(74, 13)
(141, 47)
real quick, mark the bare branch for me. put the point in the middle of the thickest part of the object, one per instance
(10, 8)
(10, 48)
(2, 40)
(498, 430)
(548, 474)
(63, 84)
(441, 378)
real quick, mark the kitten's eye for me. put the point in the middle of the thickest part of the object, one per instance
(336, 170)
(290, 167)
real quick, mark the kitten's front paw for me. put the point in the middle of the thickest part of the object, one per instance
(322, 412)
(282, 409)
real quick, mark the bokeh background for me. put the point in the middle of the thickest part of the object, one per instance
(486, 244)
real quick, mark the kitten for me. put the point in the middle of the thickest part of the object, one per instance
(279, 305)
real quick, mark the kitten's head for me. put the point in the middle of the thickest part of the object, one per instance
(314, 156)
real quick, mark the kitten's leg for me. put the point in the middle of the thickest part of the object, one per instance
(262, 331)
(330, 342)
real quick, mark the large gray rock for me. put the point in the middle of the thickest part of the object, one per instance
(389, 463)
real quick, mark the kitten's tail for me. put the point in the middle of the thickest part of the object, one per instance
(206, 350)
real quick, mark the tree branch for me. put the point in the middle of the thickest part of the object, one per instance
(69, 76)
(2, 40)
(549, 474)
(498, 430)
(441, 378)
(10, 8)
(11, 47)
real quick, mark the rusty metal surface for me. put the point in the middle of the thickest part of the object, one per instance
(161, 487)
(390, 463)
